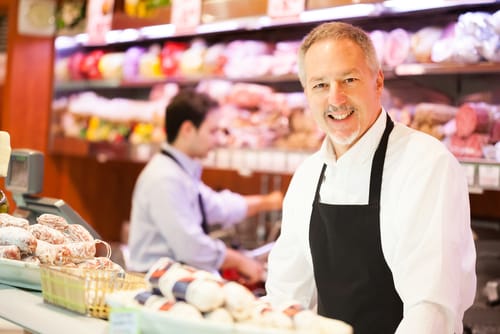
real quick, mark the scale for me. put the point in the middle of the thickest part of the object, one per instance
(25, 180)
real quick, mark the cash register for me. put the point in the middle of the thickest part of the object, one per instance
(25, 179)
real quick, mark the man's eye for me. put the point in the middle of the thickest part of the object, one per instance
(350, 80)
(319, 86)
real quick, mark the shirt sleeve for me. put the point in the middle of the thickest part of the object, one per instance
(433, 263)
(290, 274)
(175, 211)
(223, 207)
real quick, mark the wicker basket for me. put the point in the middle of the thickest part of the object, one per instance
(84, 290)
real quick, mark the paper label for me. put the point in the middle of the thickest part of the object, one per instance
(285, 8)
(489, 176)
(186, 14)
(123, 321)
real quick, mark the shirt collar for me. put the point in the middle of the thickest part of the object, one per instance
(362, 150)
(191, 166)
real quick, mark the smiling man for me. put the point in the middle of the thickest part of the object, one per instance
(376, 224)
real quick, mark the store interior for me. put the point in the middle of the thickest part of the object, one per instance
(96, 177)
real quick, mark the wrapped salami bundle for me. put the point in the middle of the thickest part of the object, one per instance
(219, 315)
(54, 221)
(239, 300)
(8, 220)
(20, 237)
(52, 254)
(156, 302)
(77, 233)
(47, 233)
(10, 252)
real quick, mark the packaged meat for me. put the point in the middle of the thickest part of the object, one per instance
(46, 233)
(52, 254)
(238, 300)
(12, 235)
(9, 220)
(77, 233)
(473, 118)
(397, 47)
(11, 252)
(54, 221)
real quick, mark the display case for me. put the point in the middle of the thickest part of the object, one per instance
(448, 81)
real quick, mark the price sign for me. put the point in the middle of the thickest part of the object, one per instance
(285, 8)
(489, 176)
(123, 321)
(99, 17)
(186, 14)
(470, 172)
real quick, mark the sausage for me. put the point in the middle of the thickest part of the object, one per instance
(10, 252)
(46, 233)
(8, 220)
(12, 235)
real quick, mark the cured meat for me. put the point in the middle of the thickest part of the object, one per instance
(423, 41)
(471, 146)
(46, 233)
(10, 252)
(473, 117)
(52, 254)
(12, 235)
(397, 47)
(81, 251)
(379, 38)
(54, 221)
(8, 220)
(77, 233)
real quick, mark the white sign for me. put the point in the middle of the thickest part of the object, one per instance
(186, 14)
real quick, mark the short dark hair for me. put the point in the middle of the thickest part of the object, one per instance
(187, 105)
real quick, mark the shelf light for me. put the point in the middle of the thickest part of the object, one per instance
(158, 31)
(401, 6)
(340, 12)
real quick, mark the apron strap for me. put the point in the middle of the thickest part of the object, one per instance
(204, 224)
(378, 164)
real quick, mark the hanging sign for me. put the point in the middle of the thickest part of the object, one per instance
(285, 8)
(99, 19)
(186, 14)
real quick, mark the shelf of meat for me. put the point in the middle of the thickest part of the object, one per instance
(109, 103)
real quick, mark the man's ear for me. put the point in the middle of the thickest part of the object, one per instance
(186, 127)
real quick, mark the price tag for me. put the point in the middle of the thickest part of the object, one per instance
(294, 159)
(265, 161)
(279, 159)
(223, 159)
(489, 176)
(285, 8)
(252, 159)
(186, 14)
(123, 321)
(470, 173)
(238, 159)
(99, 17)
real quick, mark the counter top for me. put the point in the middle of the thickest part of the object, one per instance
(26, 309)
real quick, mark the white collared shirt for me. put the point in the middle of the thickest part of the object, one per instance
(424, 220)
(165, 217)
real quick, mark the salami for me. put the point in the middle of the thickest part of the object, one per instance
(473, 117)
(11, 235)
(10, 252)
(46, 233)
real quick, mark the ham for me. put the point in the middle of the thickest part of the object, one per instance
(473, 117)
(397, 47)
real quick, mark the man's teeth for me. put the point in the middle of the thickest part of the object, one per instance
(340, 117)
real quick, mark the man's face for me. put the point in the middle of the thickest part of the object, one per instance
(342, 91)
(205, 138)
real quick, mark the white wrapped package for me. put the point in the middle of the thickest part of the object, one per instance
(239, 300)
(5, 151)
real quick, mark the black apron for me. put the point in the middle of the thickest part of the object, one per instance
(204, 224)
(353, 280)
